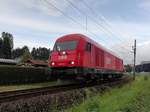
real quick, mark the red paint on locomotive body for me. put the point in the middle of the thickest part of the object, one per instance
(79, 51)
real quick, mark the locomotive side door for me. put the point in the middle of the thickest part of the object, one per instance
(88, 49)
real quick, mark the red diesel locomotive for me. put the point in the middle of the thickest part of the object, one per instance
(78, 56)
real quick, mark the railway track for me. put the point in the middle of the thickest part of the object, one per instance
(20, 94)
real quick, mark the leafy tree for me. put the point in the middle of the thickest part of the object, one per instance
(40, 53)
(22, 53)
(7, 45)
(25, 49)
(26, 56)
(128, 68)
(33, 53)
(1, 48)
(16, 53)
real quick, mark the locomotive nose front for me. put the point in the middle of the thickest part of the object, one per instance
(64, 54)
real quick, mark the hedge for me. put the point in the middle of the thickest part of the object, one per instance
(17, 74)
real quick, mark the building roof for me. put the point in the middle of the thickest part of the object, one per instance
(145, 62)
(8, 61)
(37, 62)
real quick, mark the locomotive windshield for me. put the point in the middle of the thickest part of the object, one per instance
(68, 45)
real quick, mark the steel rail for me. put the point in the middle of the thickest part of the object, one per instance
(20, 94)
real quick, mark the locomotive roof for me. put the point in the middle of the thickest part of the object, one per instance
(81, 36)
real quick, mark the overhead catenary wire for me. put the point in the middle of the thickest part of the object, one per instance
(100, 27)
(69, 17)
(83, 13)
(102, 18)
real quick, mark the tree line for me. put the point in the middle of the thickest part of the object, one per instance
(6, 45)
(7, 51)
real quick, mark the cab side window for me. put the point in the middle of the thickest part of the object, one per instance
(88, 47)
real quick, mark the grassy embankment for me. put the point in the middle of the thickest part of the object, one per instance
(26, 86)
(133, 97)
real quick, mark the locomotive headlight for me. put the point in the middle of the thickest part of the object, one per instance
(64, 53)
(72, 62)
(53, 63)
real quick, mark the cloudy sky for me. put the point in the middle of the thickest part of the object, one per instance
(113, 23)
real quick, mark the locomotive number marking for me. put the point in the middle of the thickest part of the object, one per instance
(62, 57)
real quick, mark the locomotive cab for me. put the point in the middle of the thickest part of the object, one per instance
(66, 56)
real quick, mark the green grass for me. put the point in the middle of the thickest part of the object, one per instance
(26, 86)
(133, 97)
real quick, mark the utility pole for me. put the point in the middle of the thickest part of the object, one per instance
(134, 48)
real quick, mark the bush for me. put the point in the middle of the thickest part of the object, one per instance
(17, 74)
